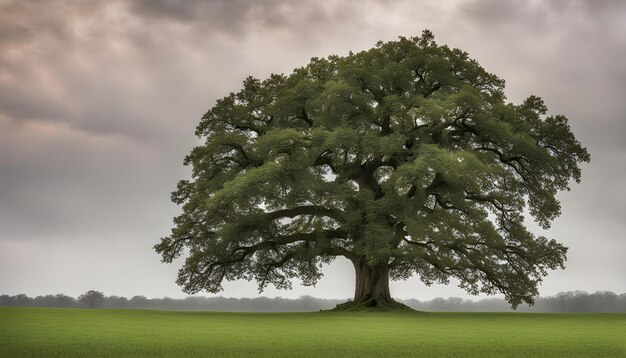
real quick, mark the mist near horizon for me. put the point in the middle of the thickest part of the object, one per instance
(572, 301)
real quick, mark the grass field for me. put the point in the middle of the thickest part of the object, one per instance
(49, 332)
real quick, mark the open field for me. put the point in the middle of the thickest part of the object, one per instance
(62, 332)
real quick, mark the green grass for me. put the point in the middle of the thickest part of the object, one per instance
(49, 332)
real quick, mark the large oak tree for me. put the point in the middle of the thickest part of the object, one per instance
(405, 159)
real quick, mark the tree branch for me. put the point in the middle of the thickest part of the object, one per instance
(335, 214)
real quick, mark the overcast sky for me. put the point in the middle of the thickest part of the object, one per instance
(99, 101)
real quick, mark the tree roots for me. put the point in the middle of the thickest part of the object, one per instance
(372, 305)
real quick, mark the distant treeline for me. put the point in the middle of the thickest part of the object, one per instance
(571, 301)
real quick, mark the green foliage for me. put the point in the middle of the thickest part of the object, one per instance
(54, 332)
(405, 154)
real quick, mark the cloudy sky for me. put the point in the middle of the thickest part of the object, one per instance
(99, 100)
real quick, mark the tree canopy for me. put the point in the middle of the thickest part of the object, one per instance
(405, 159)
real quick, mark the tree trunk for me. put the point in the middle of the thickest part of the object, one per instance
(371, 291)
(372, 284)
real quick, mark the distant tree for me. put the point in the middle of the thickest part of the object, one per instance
(45, 301)
(92, 299)
(115, 302)
(138, 301)
(22, 300)
(405, 159)
(64, 301)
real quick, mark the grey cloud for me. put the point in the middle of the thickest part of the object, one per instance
(538, 13)
(56, 184)
(236, 17)
(25, 21)
(12, 34)
(221, 14)
(89, 66)
(39, 39)
(496, 12)
(21, 102)
(98, 104)
(593, 6)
